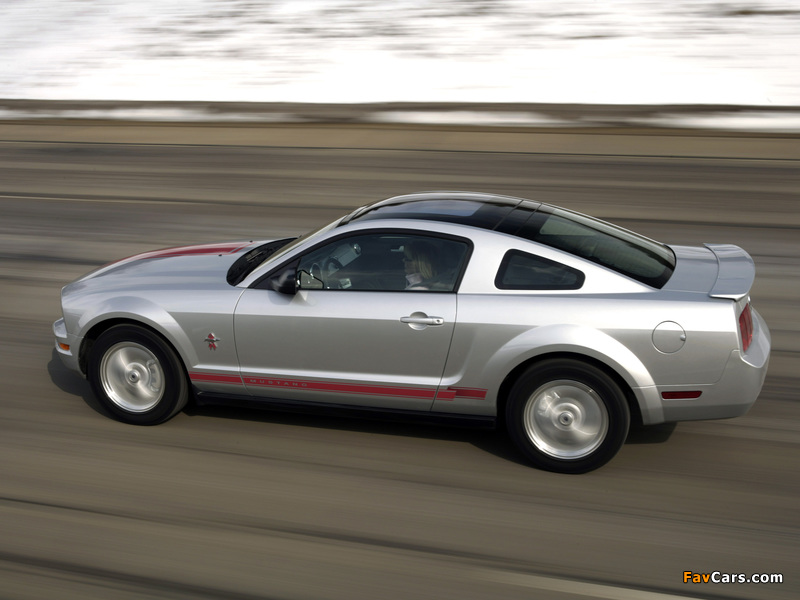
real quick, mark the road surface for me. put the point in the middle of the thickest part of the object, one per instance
(227, 503)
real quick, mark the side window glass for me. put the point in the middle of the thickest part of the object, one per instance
(384, 262)
(522, 271)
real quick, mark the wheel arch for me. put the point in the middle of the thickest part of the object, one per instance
(97, 329)
(161, 387)
(514, 374)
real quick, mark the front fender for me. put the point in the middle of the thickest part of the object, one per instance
(141, 310)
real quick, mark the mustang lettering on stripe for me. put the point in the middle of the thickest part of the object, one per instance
(448, 394)
(343, 388)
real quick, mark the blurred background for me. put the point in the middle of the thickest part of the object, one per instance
(127, 126)
(705, 52)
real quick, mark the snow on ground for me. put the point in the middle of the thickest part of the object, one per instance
(708, 52)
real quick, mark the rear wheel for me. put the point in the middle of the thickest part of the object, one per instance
(137, 376)
(567, 416)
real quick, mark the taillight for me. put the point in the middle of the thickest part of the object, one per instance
(746, 327)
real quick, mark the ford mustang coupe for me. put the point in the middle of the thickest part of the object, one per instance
(475, 307)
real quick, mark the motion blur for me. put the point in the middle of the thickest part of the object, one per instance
(225, 501)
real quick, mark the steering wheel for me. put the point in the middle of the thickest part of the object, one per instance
(331, 265)
(315, 271)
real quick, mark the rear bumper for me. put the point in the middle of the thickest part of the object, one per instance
(737, 389)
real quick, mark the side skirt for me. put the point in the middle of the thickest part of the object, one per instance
(346, 410)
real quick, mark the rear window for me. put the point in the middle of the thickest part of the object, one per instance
(623, 251)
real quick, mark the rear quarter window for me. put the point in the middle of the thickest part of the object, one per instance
(522, 271)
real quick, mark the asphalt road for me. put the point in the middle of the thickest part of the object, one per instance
(239, 504)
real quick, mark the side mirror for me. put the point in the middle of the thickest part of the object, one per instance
(285, 282)
(306, 281)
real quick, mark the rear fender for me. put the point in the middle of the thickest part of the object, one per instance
(583, 341)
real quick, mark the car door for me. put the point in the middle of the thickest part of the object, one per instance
(370, 323)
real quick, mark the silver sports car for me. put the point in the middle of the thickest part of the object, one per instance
(474, 307)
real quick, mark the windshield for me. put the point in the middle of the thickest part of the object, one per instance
(246, 263)
(306, 237)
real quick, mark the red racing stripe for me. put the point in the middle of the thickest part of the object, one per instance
(229, 248)
(452, 393)
(344, 388)
(215, 378)
(448, 394)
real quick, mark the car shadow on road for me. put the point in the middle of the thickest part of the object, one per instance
(491, 440)
(494, 441)
(73, 384)
(486, 439)
(650, 434)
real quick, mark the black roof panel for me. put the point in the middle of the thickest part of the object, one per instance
(485, 211)
(608, 245)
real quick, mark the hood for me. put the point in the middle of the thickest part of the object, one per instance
(197, 266)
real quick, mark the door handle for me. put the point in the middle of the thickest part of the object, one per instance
(422, 320)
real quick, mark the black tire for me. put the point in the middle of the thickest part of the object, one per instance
(567, 416)
(137, 376)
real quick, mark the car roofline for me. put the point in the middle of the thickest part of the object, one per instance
(483, 197)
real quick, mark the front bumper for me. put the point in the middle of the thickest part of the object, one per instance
(737, 389)
(67, 345)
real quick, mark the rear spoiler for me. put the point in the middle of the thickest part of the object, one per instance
(736, 272)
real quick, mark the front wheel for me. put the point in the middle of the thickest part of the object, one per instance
(567, 416)
(137, 376)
